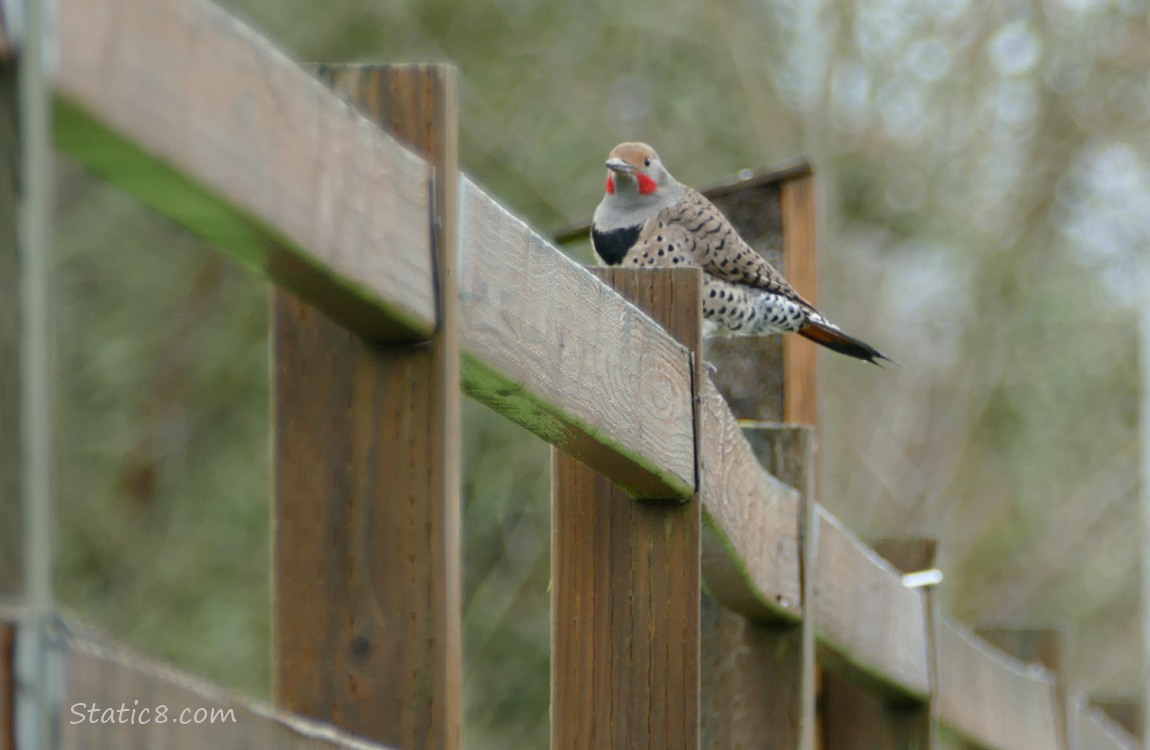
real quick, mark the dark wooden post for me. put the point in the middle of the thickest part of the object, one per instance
(11, 445)
(855, 718)
(626, 578)
(366, 468)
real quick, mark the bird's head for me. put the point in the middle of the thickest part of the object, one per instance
(634, 169)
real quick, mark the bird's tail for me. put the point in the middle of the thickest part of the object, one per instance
(830, 336)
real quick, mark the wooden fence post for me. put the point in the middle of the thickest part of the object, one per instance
(855, 718)
(626, 580)
(367, 612)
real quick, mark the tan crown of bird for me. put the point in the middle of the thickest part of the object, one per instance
(648, 218)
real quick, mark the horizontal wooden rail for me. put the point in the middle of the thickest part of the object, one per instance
(751, 558)
(112, 696)
(545, 343)
(984, 696)
(553, 348)
(196, 115)
(867, 622)
(991, 698)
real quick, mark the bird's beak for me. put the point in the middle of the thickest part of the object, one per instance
(615, 164)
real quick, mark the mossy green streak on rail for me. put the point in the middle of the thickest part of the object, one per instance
(519, 404)
(167, 189)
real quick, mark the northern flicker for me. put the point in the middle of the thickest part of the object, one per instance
(648, 218)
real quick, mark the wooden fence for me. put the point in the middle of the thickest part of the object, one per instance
(696, 596)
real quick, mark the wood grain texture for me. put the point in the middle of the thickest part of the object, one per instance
(870, 627)
(801, 261)
(758, 679)
(196, 115)
(11, 443)
(111, 676)
(366, 609)
(1097, 731)
(626, 582)
(751, 523)
(554, 349)
(991, 698)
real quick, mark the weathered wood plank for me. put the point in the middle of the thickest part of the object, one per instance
(870, 627)
(626, 581)
(751, 523)
(1097, 731)
(196, 115)
(367, 610)
(991, 698)
(11, 442)
(551, 347)
(759, 678)
(196, 714)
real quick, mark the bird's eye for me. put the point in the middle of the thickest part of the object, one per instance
(647, 162)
